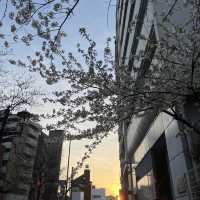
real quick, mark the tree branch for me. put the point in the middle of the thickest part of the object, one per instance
(170, 10)
(67, 16)
(43, 5)
(182, 120)
(5, 10)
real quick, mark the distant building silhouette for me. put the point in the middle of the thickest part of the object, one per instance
(54, 150)
(98, 193)
(82, 186)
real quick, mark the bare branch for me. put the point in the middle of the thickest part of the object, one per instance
(65, 19)
(5, 10)
(170, 10)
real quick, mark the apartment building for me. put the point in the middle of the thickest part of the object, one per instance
(46, 169)
(19, 146)
(30, 159)
(156, 153)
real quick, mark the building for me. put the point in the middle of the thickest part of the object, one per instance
(82, 187)
(47, 166)
(54, 150)
(156, 154)
(77, 195)
(19, 145)
(62, 190)
(111, 198)
(98, 193)
(30, 159)
(40, 169)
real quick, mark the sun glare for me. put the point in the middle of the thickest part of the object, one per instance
(115, 190)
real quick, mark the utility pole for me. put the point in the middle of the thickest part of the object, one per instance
(68, 162)
(72, 176)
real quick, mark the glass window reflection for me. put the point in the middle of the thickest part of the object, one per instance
(146, 187)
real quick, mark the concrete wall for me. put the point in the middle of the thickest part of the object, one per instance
(177, 160)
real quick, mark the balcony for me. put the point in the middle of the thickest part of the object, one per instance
(7, 145)
(29, 151)
(31, 141)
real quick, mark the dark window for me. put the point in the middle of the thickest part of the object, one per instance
(128, 34)
(124, 20)
(149, 52)
(120, 14)
(97, 196)
(11, 132)
(138, 27)
(4, 163)
(7, 139)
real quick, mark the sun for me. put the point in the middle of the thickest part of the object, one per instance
(114, 189)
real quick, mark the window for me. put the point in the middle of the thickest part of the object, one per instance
(96, 196)
(124, 21)
(138, 28)
(149, 52)
(146, 189)
(128, 34)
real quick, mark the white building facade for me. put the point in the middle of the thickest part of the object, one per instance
(156, 152)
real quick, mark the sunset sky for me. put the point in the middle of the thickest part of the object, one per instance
(104, 162)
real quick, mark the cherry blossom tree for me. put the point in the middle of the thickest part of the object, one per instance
(102, 93)
(44, 19)
(17, 93)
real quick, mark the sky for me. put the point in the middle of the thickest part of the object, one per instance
(104, 161)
